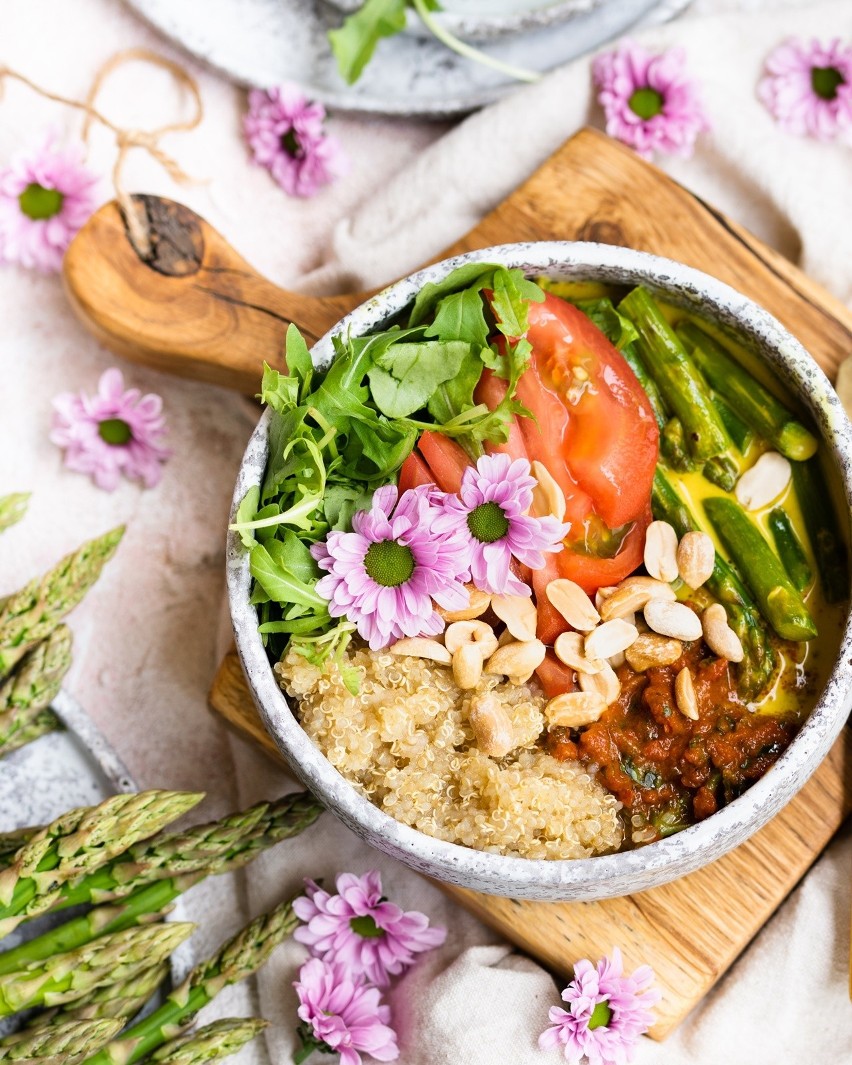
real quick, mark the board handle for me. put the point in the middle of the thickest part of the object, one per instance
(193, 305)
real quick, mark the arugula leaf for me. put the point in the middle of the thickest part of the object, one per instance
(461, 316)
(342, 501)
(297, 357)
(618, 330)
(404, 376)
(476, 276)
(278, 391)
(268, 564)
(246, 512)
(354, 43)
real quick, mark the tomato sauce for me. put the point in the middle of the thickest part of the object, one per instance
(667, 770)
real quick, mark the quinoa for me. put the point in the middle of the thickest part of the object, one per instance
(405, 742)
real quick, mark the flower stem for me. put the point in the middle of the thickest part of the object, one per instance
(463, 49)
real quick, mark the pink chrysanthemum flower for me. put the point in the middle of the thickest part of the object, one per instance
(361, 930)
(112, 433)
(649, 101)
(341, 1015)
(607, 1012)
(46, 194)
(285, 133)
(490, 517)
(384, 574)
(808, 87)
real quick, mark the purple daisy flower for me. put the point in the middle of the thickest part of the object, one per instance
(808, 87)
(384, 574)
(649, 101)
(489, 516)
(341, 1016)
(46, 194)
(359, 929)
(112, 433)
(285, 133)
(607, 1012)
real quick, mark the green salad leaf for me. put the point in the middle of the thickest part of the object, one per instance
(337, 435)
(618, 330)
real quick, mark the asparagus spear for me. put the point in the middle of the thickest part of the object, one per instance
(236, 960)
(726, 585)
(674, 447)
(79, 842)
(12, 509)
(26, 695)
(823, 530)
(208, 849)
(121, 1000)
(780, 601)
(737, 429)
(683, 389)
(754, 403)
(640, 370)
(789, 548)
(217, 1040)
(69, 1045)
(11, 842)
(68, 977)
(32, 613)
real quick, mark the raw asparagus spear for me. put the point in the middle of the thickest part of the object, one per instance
(68, 977)
(208, 849)
(236, 960)
(779, 599)
(11, 842)
(755, 671)
(683, 389)
(69, 1045)
(215, 1041)
(737, 429)
(79, 842)
(824, 533)
(121, 1000)
(789, 548)
(754, 403)
(32, 613)
(26, 695)
(12, 509)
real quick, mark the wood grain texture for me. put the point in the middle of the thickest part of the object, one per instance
(197, 308)
(691, 930)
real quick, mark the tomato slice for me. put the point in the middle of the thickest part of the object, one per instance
(414, 472)
(491, 391)
(609, 439)
(592, 572)
(555, 677)
(446, 459)
(550, 623)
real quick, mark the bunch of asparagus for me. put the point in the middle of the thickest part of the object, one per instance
(710, 411)
(35, 648)
(90, 976)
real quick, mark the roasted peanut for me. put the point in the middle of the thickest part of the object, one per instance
(573, 604)
(673, 619)
(650, 650)
(719, 636)
(517, 660)
(574, 709)
(518, 613)
(685, 698)
(632, 595)
(696, 557)
(422, 647)
(660, 550)
(479, 603)
(765, 481)
(474, 632)
(467, 666)
(491, 725)
(610, 638)
(569, 649)
(605, 683)
(548, 497)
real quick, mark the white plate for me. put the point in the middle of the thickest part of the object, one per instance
(267, 42)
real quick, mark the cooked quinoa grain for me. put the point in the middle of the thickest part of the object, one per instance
(405, 741)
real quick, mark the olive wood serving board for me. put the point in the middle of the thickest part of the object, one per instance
(195, 307)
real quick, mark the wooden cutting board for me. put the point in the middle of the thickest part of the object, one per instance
(194, 307)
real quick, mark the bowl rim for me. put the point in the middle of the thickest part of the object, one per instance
(601, 875)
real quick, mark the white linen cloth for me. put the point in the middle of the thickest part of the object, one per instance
(145, 646)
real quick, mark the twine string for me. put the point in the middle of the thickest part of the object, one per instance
(127, 139)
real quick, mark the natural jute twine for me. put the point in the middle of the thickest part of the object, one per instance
(126, 139)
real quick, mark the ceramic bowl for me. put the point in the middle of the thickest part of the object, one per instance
(629, 871)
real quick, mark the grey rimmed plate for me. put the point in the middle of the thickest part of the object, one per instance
(260, 43)
(629, 871)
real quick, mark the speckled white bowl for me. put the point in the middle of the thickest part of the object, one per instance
(614, 874)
